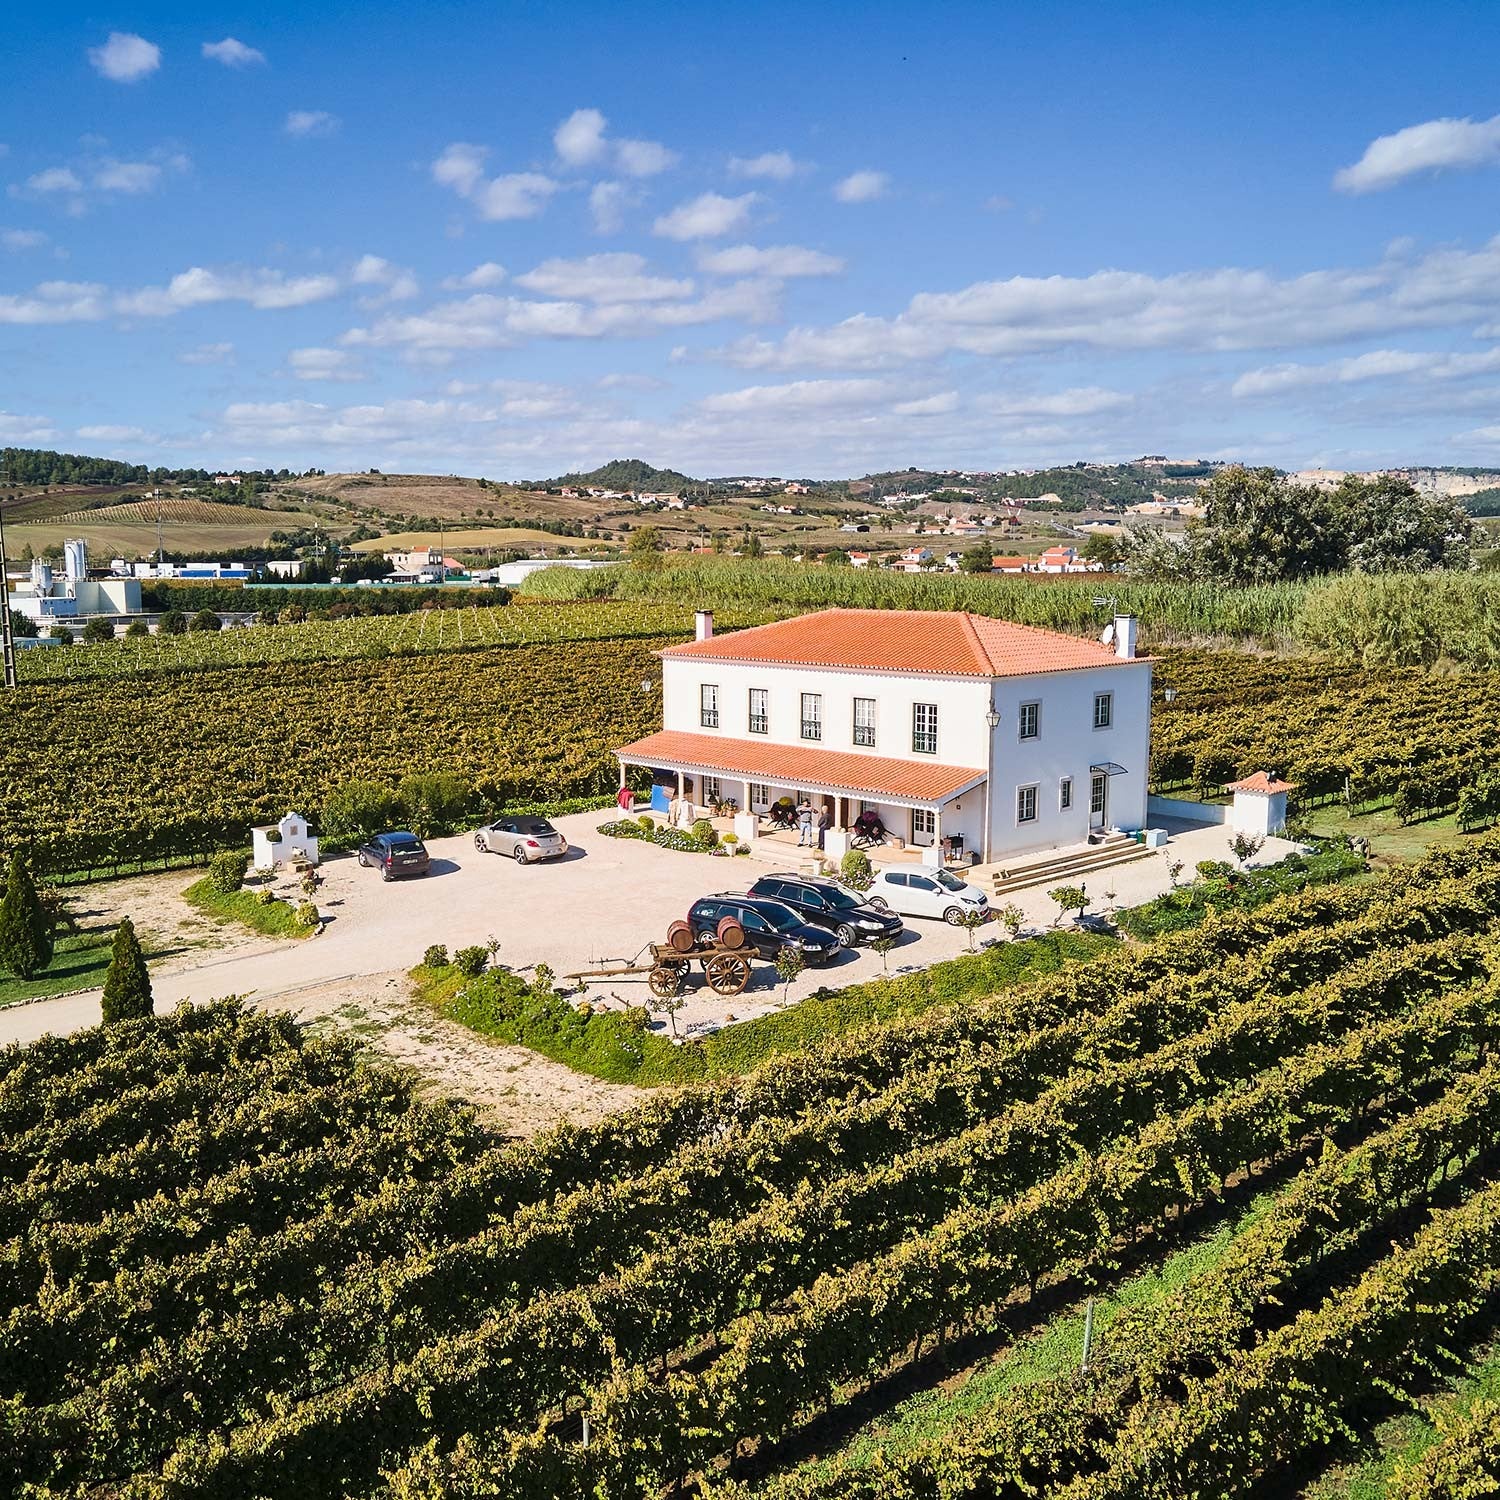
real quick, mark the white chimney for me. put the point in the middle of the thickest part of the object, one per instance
(1125, 626)
(703, 625)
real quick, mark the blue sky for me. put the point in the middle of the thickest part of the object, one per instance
(516, 239)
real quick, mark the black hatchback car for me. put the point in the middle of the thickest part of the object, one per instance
(833, 907)
(395, 855)
(769, 926)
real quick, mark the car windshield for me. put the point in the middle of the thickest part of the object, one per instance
(400, 841)
(536, 825)
(841, 900)
(949, 882)
(778, 915)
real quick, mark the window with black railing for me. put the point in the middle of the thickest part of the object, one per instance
(760, 720)
(924, 728)
(864, 722)
(708, 706)
(812, 716)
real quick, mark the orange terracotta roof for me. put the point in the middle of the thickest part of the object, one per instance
(799, 766)
(1262, 781)
(935, 642)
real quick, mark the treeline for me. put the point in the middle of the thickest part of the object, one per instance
(32, 466)
(189, 597)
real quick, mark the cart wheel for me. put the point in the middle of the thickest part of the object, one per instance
(727, 973)
(665, 979)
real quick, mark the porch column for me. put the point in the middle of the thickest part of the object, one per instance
(679, 785)
(622, 775)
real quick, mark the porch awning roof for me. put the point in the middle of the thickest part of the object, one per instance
(1109, 768)
(803, 766)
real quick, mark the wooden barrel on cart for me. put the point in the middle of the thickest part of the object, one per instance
(730, 933)
(680, 937)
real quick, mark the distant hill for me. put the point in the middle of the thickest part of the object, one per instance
(632, 474)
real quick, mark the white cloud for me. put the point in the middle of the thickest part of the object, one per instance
(109, 433)
(643, 158)
(395, 284)
(55, 180)
(520, 195)
(1210, 310)
(1378, 364)
(208, 354)
(233, 53)
(939, 405)
(1429, 147)
(800, 395)
(125, 57)
(198, 287)
(705, 217)
(460, 167)
(310, 122)
(484, 321)
(127, 177)
(1077, 401)
(603, 278)
(22, 239)
(773, 260)
(608, 202)
(775, 166)
(18, 429)
(57, 302)
(579, 140)
(322, 364)
(517, 195)
(861, 187)
(489, 273)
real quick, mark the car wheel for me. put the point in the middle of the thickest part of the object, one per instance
(519, 854)
(881, 902)
(954, 916)
(846, 935)
(386, 876)
(364, 864)
(479, 843)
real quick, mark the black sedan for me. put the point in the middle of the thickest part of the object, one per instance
(833, 907)
(395, 855)
(769, 926)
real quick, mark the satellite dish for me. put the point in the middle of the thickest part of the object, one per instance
(1109, 634)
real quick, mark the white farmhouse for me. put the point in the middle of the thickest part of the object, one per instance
(955, 729)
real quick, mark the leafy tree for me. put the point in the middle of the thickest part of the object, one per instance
(1392, 528)
(172, 622)
(25, 930)
(1070, 898)
(1245, 846)
(789, 964)
(1102, 547)
(62, 635)
(358, 810)
(21, 628)
(127, 985)
(1012, 919)
(883, 945)
(206, 619)
(971, 921)
(97, 631)
(645, 549)
(977, 559)
(434, 803)
(136, 629)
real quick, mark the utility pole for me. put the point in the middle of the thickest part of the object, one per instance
(7, 636)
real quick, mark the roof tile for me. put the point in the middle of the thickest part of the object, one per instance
(936, 642)
(792, 765)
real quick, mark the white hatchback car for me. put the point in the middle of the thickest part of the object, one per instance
(926, 893)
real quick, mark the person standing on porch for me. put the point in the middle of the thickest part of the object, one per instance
(674, 808)
(804, 824)
(825, 822)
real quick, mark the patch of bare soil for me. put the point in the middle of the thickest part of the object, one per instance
(518, 1091)
(169, 928)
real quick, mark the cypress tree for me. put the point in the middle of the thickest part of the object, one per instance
(25, 931)
(127, 985)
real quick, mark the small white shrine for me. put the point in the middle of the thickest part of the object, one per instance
(1259, 803)
(283, 843)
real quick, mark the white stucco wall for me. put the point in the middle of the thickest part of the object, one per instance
(1066, 746)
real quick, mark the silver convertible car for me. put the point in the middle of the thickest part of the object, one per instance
(526, 840)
